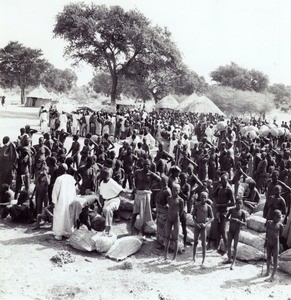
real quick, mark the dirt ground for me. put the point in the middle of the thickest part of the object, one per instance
(28, 273)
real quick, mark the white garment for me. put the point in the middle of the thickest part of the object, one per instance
(87, 119)
(150, 140)
(186, 129)
(63, 122)
(122, 128)
(44, 123)
(75, 123)
(110, 189)
(210, 133)
(187, 143)
(64, 193)
(172, 145)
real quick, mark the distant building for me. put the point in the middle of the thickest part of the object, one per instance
(38, 97)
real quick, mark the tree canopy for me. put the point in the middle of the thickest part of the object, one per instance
(21, 66)
(237, 102)
(239, 78)
(59, 80)
(123, 43)
(282, 94)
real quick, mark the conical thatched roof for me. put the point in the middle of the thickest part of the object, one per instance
(40, 92)
(202, 105)
(187, 101)
(54, 96)
(168, 102)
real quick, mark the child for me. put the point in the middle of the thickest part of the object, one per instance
(46, 215)
(175, 209)
(273, 233)
(238, 172)
(237, 218)
(202, 216)
(118, 172)
(42, 182)
(274, 202)
(75, 149)
(251, 198)
(85, 152)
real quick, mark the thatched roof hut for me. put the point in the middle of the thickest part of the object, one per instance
(202, 105)
(168, 102)
(125, 104)
(187, 101)
(38, 97)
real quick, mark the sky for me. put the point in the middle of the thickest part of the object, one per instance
(255, 34)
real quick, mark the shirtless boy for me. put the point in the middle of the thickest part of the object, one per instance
(202, 216)
(237, 218)
(175, 209)
(273, 233)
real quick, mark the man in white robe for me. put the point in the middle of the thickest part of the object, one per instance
(63, 121)
(64, 193)
(44, 122)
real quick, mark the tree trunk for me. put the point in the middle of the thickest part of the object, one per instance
(155, 96)
(113, 94)
(22, 95)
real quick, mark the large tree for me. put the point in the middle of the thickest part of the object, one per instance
(59, 80)
(240, 78)
(282, 94)
(112, 40)
(101, 83)
(21, 66)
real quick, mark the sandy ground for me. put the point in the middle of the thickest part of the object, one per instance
(28, 273)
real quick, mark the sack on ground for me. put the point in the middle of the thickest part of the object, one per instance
(256, 223)
(103, 242)
(81, 239)
(285, 265)
(248, 253)
(149, 227)
(259, 213)
(245, 252)
(286, 255)
(252, 239)
(124, 247)
(190, 235)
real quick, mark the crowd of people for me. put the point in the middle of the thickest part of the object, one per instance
(188, 162)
